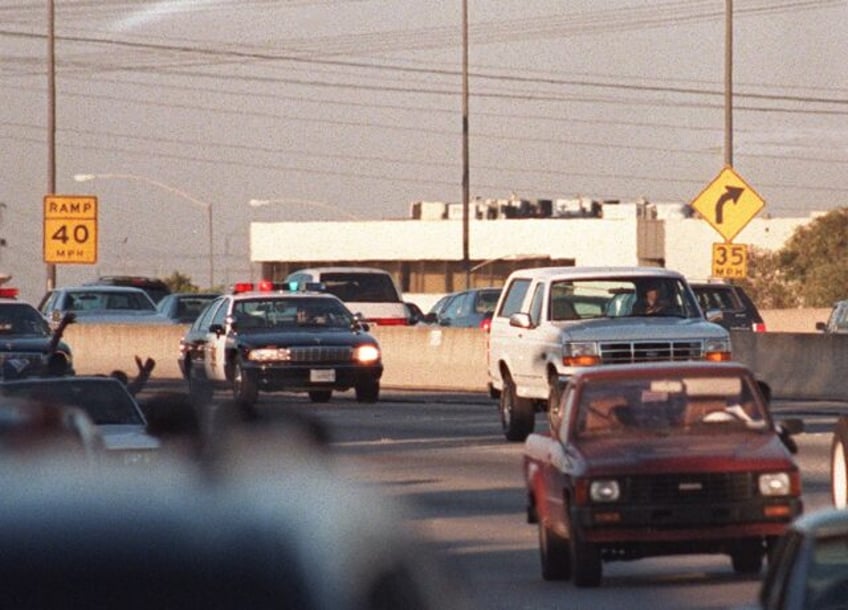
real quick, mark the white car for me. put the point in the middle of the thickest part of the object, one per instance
(551, 321)
(365, 290)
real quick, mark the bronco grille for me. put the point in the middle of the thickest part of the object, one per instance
(691, 488)
(621, 352)
(321, 353)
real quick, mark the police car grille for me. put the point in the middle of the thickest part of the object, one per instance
(321, 353)
(691, 488)
(621, 352)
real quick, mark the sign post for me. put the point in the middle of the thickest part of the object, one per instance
(70, 229)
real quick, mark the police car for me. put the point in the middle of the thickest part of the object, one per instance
(272, 338)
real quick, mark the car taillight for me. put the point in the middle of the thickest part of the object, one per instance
(389, 321)
(8, 293)
(486, 324)
(758, 327)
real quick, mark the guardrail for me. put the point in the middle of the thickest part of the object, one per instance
(802, 366)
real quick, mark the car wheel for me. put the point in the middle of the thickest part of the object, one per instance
(554, 553)
(200, 391)
(320, 395)
(368, 391)
(245, 391)
(747, 558)
(585, 561)
(518, 417)
(838, 464)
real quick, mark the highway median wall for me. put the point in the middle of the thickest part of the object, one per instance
(799, 365)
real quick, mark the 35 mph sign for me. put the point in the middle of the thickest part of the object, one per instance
(70, 229)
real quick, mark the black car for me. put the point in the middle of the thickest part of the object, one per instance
(738, 310)
(28, 346)
(274, 340)
(155, 288)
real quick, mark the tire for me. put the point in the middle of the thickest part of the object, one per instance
(518, 417)
(245, 391)
(839, 464)
(554, 554)
(368, 391)
(586, 565)
(200, 391)
(553, 404)
(747, 558)
(320, 395)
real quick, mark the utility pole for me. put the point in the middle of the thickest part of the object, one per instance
(466, 187)
(51, 122)
(728, 84)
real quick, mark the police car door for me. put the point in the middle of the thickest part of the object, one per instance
(216, 340)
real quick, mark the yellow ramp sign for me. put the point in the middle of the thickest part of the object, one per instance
(70, 229)
(728, 203)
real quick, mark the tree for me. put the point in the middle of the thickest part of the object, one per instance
(809, 271)
(178, 282)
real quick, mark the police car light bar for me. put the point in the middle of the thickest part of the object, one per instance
(271, 286)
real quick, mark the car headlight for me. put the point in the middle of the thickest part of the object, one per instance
(774, 484)
(604, 491)
(269, 354)
(580, 353)
(366, 354)
(718, 350)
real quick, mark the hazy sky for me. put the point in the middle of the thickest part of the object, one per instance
(337, 108)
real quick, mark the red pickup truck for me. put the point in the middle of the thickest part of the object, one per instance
(654, 459)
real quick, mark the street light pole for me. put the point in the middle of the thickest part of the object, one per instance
(171, 189)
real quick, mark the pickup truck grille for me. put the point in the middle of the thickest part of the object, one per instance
(695, 488)
(622, 352)
(321, 353)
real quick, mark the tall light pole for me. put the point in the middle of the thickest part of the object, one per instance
(466, 176)
(171, 189)
(51, 121)
(261, 203)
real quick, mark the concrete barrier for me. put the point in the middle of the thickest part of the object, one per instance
(797, 365)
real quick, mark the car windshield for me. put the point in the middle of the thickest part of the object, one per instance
(94, 300)
(673, 404)
(578, 299)
(21, 319)
(105, 400)
(290, 312)
(827, 581)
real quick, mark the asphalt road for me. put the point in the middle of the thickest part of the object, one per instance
(444, 457)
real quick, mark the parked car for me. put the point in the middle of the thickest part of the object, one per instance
(660, 458)
(101, 305)
(28, 346)
(155, 288)
(738, 311)
(465, 309)
(184, 307)
(837, 322)
(366, 291)
(106, 400)
(551, 322)
(809, 566)
(256, 341)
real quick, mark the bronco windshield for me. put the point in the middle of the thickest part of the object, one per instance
(578, 299)
(695, 404)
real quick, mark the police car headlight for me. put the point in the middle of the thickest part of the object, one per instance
(580, 353)
(269, 354)
(366, 354)
(774, 484)
(606, 490)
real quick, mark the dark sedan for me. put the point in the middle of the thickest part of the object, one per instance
(466, 309)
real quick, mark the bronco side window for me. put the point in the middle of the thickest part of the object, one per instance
(515, 293)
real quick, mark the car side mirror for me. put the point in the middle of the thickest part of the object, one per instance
(714, 315)
(786, 429)
(821, 326)
(430, 318)
(359, 322)
(217, 329)
(520, 320)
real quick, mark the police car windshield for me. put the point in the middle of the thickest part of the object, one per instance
(290, 312)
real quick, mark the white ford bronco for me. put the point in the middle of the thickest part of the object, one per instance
(550, 321)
